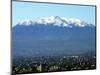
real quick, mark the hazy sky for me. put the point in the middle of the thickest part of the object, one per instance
(26, 10)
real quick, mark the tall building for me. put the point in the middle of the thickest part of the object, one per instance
(39, 68)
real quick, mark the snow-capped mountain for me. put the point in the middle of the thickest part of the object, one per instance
(50, 36)
(57, 21)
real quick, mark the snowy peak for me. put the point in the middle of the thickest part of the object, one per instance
(57, 21)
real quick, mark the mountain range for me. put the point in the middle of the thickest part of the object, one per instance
(49, 36)
(57, 21)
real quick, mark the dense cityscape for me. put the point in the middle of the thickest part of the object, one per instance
(53, 64)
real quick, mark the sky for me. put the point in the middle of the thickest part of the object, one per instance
(31, 11)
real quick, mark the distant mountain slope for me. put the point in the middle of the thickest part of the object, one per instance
(52, 36)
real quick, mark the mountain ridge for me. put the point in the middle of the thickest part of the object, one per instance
(57, 21)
